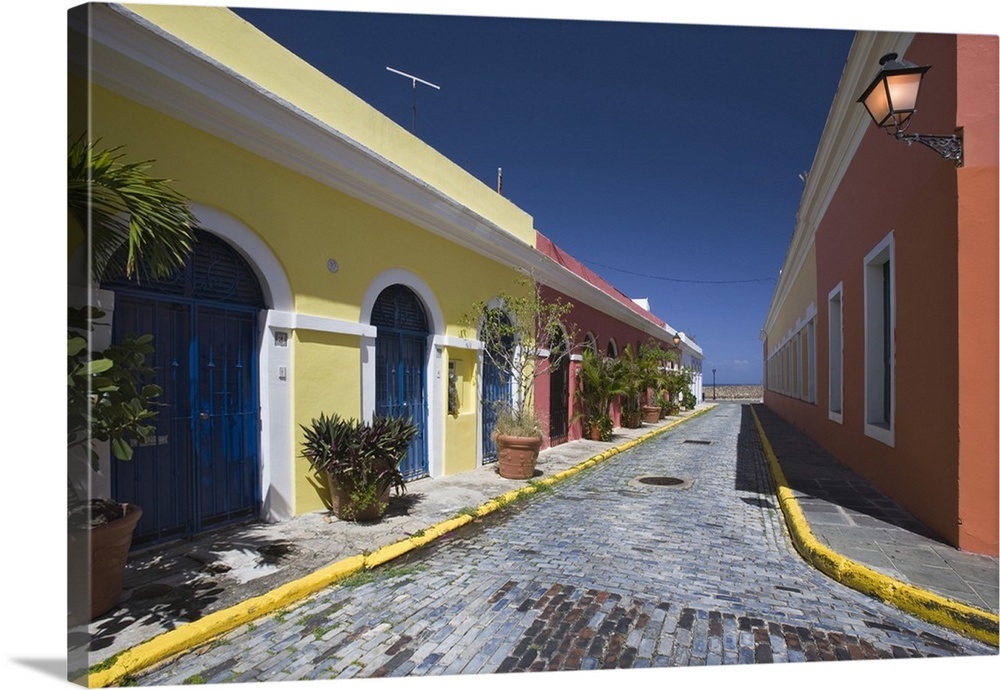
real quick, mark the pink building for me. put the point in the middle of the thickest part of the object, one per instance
(881, 338)
(605, 319)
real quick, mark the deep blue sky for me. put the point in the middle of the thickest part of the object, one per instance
(668, 151)
(648, 151)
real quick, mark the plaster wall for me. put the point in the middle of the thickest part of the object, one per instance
(978, 306)
(304, 224)
(798, 305)
(581, 319)
(234, 42)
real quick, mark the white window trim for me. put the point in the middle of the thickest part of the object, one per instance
(811, 364)
(836, 359)
(883, 251)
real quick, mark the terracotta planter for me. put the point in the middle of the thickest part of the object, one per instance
(106, 547)
(343, 507)
(632, 420)
(516, 456)
(594, 432)
(650, 414)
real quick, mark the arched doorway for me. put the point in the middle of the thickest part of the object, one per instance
(201, 468)
(558, 387)
(401, 368)
(498, 348)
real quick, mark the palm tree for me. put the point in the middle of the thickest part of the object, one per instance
(598, 387)
(118, 203)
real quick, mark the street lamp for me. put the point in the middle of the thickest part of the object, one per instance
(891, 99)
(713, 384)
(677, 341)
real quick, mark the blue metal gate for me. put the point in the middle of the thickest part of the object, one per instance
(496, 392)
(201, 467)
(401, 368)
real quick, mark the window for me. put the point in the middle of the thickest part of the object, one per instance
(612, 349)
(880, 323)
(836, 330)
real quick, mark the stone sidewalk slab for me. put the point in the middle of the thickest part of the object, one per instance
(855, 519)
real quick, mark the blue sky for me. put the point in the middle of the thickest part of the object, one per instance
(664, 156)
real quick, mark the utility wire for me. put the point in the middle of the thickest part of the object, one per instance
(679, 280)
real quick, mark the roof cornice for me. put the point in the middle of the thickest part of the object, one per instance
(846, 125)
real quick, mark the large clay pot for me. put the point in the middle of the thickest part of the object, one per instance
(342, 506)
(631, 419)
(650, 414)
(107, 548)
(516, 456)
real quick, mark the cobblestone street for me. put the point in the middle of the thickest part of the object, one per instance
(602, 571)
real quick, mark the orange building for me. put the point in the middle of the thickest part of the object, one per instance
(881, 338)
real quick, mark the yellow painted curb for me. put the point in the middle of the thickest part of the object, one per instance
(968, 620)
(189, 635)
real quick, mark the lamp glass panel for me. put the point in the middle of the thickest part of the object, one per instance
(877, 103)
(903, 90)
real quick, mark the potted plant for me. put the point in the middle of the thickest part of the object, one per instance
(664, 401)
(597, 387)
(118, 210)
(107, 403)
(629, 378)
(677, 384)
(359, 461)
(527, 321)
(650, 372)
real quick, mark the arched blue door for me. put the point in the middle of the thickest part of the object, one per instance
(496, 392)
(201, 469)
(401, 368)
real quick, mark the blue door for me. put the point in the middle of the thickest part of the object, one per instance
(201, 467)
(401, 368)
(496, 392)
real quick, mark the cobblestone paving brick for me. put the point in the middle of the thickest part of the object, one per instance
(601, 572)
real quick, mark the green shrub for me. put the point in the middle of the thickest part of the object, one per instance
(364, 457)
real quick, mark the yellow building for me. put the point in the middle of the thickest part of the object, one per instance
(338, 258)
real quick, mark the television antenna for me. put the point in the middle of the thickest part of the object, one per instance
(413, 129)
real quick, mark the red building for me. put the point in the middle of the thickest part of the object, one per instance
(608, 321)
(881, 338)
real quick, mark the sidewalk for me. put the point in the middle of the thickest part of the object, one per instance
(856, 520)
(169, 585)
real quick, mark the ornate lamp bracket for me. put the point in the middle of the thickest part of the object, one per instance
(948, 147)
